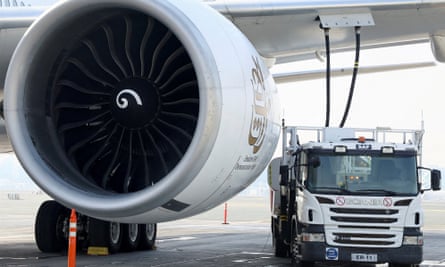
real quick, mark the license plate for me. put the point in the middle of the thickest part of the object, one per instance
(361, 257)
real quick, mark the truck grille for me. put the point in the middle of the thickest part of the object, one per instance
(363, 227)
(363, 220)
(364, 211)
(363, 239)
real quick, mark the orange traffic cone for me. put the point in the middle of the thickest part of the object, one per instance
(72, 239)
(225, 214)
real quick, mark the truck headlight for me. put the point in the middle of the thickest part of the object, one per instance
(313, 237)
(413, 240)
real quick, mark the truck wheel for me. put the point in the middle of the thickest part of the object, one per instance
(130, 237)
(296, 257)
(49, 227)
(147, 236)
(280, 248)
(295, 252)
(105, 234)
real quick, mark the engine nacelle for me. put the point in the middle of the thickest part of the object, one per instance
(140, 111)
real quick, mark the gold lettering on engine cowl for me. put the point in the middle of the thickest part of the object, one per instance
(260, 109)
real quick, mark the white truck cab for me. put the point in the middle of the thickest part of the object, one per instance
(351, 195)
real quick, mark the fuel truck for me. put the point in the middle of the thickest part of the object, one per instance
(351, 195)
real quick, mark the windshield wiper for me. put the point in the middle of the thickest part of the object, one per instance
(327, 188)
(379, 191)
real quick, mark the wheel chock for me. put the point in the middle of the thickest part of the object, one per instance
(98, 251)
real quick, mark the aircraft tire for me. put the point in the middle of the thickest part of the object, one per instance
(48, 227)
(105, 234)
(131, 237)
(147, 236)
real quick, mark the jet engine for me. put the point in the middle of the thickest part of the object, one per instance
(139, 111)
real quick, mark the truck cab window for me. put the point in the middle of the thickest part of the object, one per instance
(353, 174)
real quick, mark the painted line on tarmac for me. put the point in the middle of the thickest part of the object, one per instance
(183, 238)
(433, 263)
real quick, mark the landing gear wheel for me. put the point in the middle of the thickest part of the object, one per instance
(115, 237)
(105, 234)
(49, 227)
(131, 237)
(147, 236)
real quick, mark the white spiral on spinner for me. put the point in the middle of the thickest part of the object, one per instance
(122, 102)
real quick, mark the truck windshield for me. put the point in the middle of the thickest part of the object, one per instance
(370, 174)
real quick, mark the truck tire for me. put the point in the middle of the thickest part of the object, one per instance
(147, 236)
(105, 234)
(130, 237)
(280, 248)
(49, 227)
(296, 257)
(295, 252)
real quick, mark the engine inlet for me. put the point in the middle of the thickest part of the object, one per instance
(125, 102)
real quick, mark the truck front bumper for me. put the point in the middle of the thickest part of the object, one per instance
(317, 251)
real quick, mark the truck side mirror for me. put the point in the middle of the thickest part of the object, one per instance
(436, 177)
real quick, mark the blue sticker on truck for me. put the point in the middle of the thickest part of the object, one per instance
(332, 254)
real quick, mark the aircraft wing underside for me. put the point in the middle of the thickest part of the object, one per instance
(290, 30)
(285, 31)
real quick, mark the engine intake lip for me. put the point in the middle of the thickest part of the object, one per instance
(28, 117)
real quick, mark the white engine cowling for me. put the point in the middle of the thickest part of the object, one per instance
(140, 111)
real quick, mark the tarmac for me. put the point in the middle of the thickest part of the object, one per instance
(202, 240)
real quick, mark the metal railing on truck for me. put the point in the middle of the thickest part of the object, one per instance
(292, 137)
